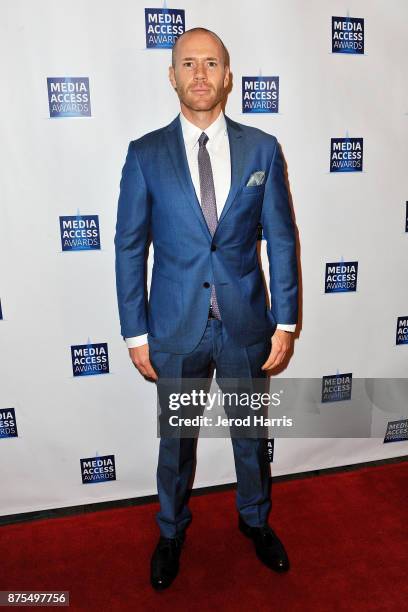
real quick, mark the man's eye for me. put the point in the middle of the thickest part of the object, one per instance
(188, 64)
(212, 64)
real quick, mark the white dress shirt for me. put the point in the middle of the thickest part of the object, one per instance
(219, 152)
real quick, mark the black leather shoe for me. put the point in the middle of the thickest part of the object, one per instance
(164, 565)
(269, 549)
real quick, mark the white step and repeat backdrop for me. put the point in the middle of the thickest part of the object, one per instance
(79, 81)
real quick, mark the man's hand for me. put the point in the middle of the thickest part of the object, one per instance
(140, 357)
(281, 343)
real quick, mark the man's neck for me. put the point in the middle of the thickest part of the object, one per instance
(202, 119)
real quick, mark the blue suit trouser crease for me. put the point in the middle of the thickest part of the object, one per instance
(177, 455)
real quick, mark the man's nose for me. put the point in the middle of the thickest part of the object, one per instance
(200, 72)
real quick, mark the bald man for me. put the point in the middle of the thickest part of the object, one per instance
(200, 187)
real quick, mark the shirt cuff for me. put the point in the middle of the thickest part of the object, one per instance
(136, 341)
(289, 327)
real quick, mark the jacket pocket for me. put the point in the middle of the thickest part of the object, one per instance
(253, 189)
(165, 306)
(254, 305)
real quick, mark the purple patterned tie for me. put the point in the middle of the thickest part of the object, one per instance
(208, 202)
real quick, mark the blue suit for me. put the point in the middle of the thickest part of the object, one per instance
(157, 198)
(157, 201)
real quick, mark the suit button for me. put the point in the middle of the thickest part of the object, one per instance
(206, 285)
(213, 247)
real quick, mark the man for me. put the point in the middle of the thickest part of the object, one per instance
(199, 188)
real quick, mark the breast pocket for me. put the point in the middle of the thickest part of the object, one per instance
(253, 189)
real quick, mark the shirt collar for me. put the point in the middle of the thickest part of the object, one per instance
(191, 133)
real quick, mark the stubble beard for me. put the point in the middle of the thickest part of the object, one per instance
(203, 105)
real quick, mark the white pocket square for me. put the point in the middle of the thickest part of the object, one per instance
(256, 178)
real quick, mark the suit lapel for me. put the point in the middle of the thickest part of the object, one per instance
(177, 154)
(237, 151)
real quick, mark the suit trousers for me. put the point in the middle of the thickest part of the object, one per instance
(177, 455)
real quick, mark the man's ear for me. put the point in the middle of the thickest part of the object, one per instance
(226, 76)
(172, 77)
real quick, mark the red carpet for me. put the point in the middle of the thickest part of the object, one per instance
(346, 535)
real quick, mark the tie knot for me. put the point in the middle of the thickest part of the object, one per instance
(202, 141)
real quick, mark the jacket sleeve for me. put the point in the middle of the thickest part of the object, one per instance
(279, 232)
(131, 237)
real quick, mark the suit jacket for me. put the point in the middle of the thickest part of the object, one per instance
(157, 200)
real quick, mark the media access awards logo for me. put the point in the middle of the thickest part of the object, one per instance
(406, 216)
(80, 232)
(346, 154)
(336, 387)
(69, 96)
(90, 359)
(402, 330)
(8, 424)
(163, 27)
(260, 94)
(98, 469)
(341, 277)
(397, 431)
(348, 35)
